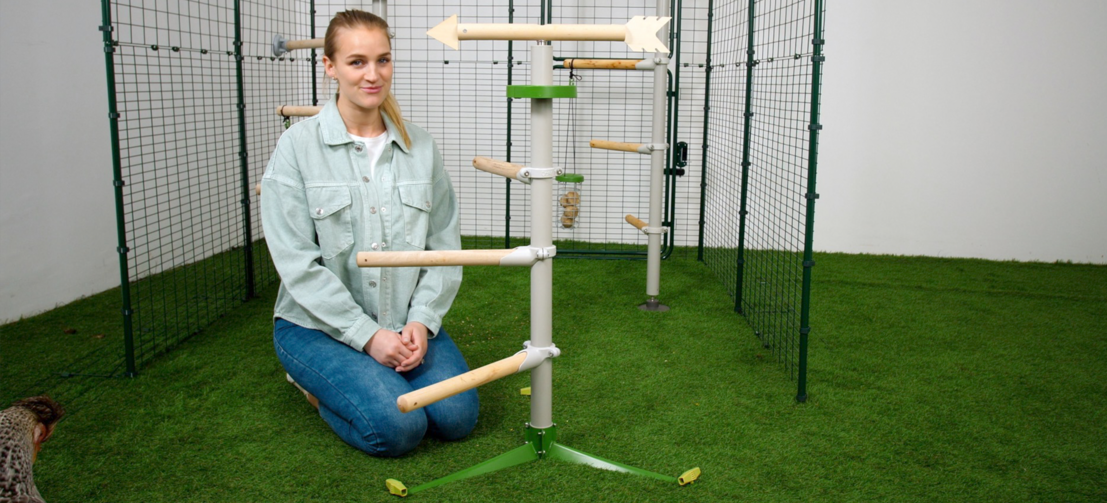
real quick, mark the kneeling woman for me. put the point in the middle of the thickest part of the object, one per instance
(357, 178)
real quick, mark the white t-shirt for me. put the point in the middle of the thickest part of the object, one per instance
(374, 148)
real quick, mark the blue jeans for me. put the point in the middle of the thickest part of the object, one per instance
(357, 395)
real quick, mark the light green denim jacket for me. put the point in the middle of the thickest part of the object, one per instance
(319, 207)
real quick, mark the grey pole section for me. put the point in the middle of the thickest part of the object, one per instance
(541, 203)
(657, 173)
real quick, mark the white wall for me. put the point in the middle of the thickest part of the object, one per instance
(57, 213)
(965, 129)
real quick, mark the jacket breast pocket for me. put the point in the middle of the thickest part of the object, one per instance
(416, 199)
(330, 210)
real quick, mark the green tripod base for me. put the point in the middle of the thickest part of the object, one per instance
(541, 444)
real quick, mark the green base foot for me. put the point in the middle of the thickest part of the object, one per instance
(541, 444)
(563, 453)
(516, 456)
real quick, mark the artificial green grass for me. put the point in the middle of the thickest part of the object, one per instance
(930, 380)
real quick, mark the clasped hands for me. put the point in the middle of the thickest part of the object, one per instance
(402, 351)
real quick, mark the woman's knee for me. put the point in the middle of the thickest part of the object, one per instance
(455, 417)
(397, 435)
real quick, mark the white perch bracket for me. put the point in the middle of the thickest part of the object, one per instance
(536, 355)
(528, 173)
(280, 45)
(654, 230)
(528, 255)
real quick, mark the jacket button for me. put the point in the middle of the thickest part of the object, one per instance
(384, 209)
(372, 284)
(318, 211)
(375, 246)
(365, 179)
(357, 148)
(373, 210)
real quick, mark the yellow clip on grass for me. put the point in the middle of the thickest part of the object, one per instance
(689, 476)
(396, 487)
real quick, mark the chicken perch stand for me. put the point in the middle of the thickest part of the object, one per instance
(540, 432)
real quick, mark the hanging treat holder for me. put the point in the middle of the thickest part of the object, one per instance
(570, 187)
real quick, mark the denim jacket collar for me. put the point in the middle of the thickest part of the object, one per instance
(333, 128)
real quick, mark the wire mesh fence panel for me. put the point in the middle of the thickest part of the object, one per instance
(722, 163)
(611, 105)
(270, 82)
(762, 98)
(175, 82)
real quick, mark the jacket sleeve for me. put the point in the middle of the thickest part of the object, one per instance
(290, 236)
(438, 286)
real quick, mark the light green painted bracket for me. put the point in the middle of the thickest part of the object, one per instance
(541, 91)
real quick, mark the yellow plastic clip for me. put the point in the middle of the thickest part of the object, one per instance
(396, 487)
(525, 391)
(689, 476)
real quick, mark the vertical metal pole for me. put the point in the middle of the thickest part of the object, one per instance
(746, 135)
(541, 274)
(657, 170)
(507, 181)
(243, 153)
(706, 124)
(809, 225)
(314, 62)
(117, 181)
(669, 242)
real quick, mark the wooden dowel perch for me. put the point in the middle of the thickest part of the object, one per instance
(632, 220)
(425, 396)
(431, 258)
(502, 168)
(620, 146)
(307, 43)
(606, 64)
(297, 111)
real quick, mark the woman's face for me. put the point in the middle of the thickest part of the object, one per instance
(363, 66)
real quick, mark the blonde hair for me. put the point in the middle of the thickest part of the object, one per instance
(351, 19)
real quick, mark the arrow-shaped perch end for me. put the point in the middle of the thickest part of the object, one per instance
(446, 32)
(642, 34)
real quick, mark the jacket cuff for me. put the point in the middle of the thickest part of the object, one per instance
(426, 317)
(360, 332)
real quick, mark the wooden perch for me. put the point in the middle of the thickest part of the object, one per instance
(425, 396)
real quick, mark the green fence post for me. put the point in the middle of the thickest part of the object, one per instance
(812, 162)
(669, 220)
(117, 181)
(243, 155)
(706, 124)
(314, 60)
(746, 134)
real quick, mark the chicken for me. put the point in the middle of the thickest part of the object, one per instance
(23, 428)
